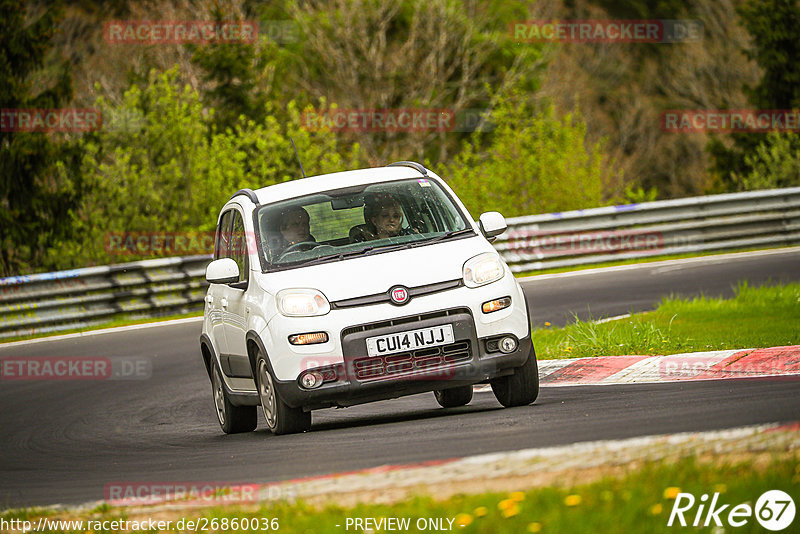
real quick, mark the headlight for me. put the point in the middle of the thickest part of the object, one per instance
(302, 302)
(483, 269)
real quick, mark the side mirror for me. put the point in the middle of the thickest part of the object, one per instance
(492, 224)
(222, 271)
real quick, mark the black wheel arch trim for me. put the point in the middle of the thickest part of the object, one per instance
(205, 345)
(237, 398)
(530, 334)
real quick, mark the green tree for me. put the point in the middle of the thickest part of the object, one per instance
(534, 162)
(390, 54)
(38, 184)
(774, 163)
(772, 24)
(161, 165)
(231, 77)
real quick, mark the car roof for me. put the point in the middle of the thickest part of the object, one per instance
(336, 180)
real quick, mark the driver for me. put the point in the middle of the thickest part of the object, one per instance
(293, 227)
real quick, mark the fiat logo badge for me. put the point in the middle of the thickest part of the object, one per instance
(399, 295)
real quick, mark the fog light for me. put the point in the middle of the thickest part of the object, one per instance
(311, 380)
(496, 304)
(508, 344)
(308, 339)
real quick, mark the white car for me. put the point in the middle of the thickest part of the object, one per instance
(358, 286)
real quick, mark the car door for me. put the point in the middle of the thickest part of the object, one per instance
(233, 302)
(215, 292)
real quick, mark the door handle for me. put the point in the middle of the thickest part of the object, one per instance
(224, 302)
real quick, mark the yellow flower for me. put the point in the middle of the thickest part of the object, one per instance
(534, 527)
(510, 511)
(463, 520)
(671, 492)
(505, 504)
(480, 511)
(656, 509)
(720, 488)
(546, 323)
(517, 496)
(572, 500)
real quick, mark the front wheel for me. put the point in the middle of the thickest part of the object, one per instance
(281, 419)
(232, 419)
(521, 388)
(450, 398)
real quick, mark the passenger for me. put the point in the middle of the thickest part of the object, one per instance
(383, 218)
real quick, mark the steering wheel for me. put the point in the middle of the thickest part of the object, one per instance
(301, 246)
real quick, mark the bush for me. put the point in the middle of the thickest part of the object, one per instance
(159, 164)
(774, 163)
(534, 162)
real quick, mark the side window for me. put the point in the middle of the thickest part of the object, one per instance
(238, 249)
(223, 238)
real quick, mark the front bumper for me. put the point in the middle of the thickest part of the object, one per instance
(360, 378)
(288, 361)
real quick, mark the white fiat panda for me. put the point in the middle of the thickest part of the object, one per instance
(358, 286)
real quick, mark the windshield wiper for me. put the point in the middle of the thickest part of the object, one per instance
(335, 257)
(361, 252)
(388, 247)
(448, 235)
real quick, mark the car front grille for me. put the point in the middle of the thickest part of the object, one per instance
(413, 292)
(420, 361)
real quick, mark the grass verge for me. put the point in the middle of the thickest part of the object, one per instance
(641, 500)
(122, 321)
(756, 317)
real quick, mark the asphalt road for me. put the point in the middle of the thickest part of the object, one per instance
(63, 442)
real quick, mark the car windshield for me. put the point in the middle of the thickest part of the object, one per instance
(357, 221)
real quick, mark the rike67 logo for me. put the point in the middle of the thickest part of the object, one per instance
(774, 510)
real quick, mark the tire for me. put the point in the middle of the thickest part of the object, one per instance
(521, 388)
(450, 398)
(281, 419)
(232, 419)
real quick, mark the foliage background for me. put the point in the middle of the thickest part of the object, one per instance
(568, 125)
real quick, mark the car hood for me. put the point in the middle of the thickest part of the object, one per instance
(377, 273)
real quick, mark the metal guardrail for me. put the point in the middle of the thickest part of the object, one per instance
(79, 298)
(699, 224)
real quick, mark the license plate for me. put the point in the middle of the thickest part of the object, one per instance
(410, 340)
